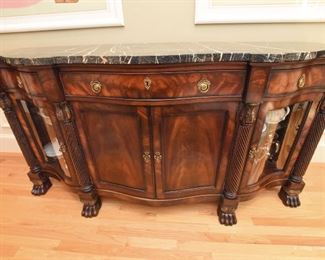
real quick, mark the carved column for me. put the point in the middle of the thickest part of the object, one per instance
(88, 194)
(41, 182)
(289, 193)
(229, 201)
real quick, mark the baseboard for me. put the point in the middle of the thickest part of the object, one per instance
(8, 144)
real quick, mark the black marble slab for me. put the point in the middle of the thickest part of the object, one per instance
(166, 53)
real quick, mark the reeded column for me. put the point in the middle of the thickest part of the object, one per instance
(229, 201)
(88, 194)
(289, 193)
(41, 182)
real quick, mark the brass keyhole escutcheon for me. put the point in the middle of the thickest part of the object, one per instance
(146, 157)
(203, 85)
(157, 157)
(147, 83)
(301, 81)
(96, 86)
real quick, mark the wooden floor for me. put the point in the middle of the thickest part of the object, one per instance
(50, 227)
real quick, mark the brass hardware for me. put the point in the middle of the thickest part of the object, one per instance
(277, 147)
(20, 83)
(147, 83)
(96, 86)
(63, 112)
(252, 152)
(62, 148)
(301, 81)
(157, 156)
(146, 156)
(203, 85)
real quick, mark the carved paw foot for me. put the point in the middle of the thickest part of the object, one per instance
(289, 200)
(41, 189)
(226, 212)
(91, 210)
(227, 219)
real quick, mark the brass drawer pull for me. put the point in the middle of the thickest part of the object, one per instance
(301, 81)
(96, 86)
(203, 85)
(147, 83)
(157, 157)
(146, 157)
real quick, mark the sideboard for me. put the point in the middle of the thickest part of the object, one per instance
(167, 123)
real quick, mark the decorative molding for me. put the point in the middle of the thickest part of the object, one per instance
(248, 114)
(112, 16)
(207, 13)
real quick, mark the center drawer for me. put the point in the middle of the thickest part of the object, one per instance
(154, 85)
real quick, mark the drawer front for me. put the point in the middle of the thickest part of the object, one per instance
(291, 80)
(154, 85)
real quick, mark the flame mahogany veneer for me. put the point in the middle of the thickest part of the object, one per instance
(152, 133)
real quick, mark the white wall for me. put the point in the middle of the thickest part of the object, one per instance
(166, 21)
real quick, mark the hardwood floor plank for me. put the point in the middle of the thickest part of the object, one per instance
(50, 226)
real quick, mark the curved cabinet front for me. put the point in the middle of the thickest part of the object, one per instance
(167, 133)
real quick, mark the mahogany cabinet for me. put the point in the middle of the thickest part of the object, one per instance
(167, 133)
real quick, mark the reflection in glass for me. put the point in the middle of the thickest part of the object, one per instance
(277, 139)
(42, 125)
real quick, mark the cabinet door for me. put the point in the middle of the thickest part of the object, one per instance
(114, 139)
(279, 134)
(191, 146)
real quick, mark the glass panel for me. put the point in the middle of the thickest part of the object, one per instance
(42, 125)
(277, 139)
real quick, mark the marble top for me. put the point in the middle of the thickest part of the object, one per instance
(166, 53)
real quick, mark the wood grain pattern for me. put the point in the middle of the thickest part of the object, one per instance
(163, 85)
(191, 156)
(126, 230)
(113, 139)
(169, 142)
(285, 81)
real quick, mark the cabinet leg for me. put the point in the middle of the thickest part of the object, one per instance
(91, 203)
(41, 182)
(289, 193)
(226, 211)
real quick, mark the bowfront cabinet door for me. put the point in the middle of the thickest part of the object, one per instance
(279, 134)
(191, 144)
(116, 142)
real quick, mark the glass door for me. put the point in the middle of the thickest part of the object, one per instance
(276, 141)
(41, 124)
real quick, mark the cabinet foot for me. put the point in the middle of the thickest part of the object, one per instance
(41, 182)
(226, 211)
(289, 193)
(92, 204)
(41, 189)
